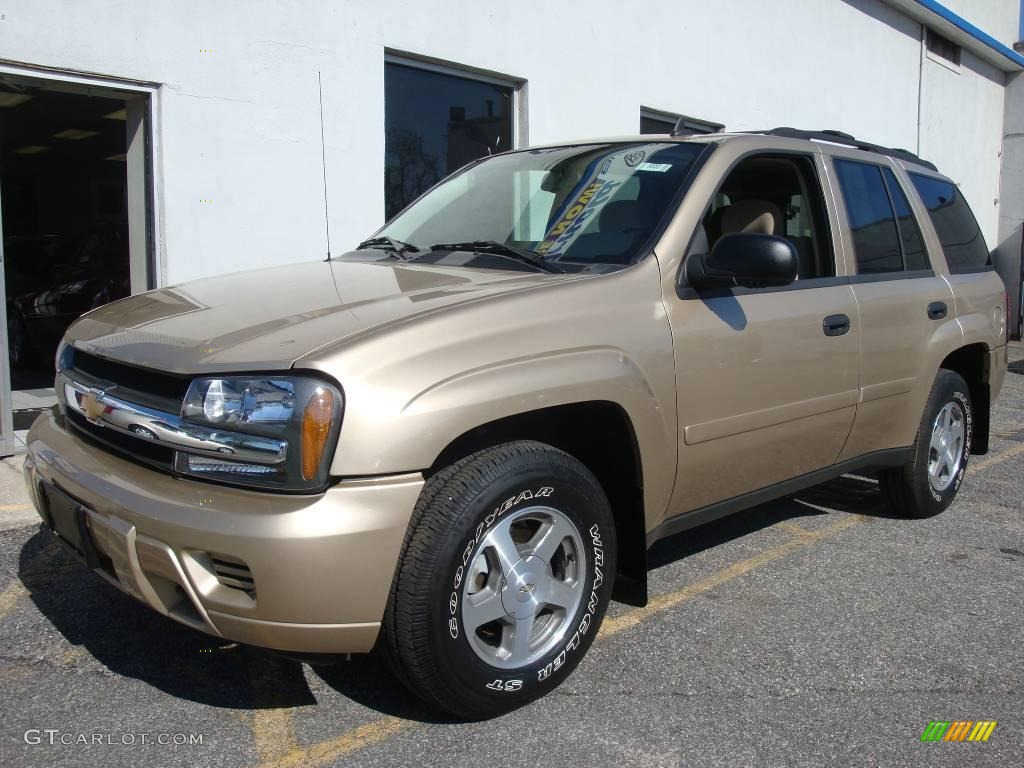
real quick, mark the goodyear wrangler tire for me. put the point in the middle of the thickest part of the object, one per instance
(927, 484)
(503, 581)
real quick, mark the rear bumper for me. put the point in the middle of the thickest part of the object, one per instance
(320, 566)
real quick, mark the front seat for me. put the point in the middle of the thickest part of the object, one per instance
(756, 217)
(761, 217)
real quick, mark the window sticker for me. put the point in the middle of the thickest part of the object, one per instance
(657, 167)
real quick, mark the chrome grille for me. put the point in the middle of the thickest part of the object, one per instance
(104, 400)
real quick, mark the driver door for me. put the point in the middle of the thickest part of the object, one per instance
(767, 379)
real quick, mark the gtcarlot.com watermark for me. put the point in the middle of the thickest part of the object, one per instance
(55, 736)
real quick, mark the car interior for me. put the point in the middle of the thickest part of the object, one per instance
(773, 195)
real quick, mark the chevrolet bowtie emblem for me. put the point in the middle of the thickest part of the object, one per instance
(91, 406)
(526, 588)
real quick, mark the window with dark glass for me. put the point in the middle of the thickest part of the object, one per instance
(942, 47)
(958, 231)
(876, 238)
(434, 124)
(914, 254)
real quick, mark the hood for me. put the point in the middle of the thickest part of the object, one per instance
(266, 319)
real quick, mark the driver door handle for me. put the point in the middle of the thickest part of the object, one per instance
(836, 325)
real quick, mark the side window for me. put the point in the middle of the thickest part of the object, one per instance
(776, 195)
(958, 230)
(914, 254)
(876, 239)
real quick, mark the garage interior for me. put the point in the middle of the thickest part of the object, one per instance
(64, 198)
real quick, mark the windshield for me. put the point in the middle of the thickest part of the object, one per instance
(580, 205)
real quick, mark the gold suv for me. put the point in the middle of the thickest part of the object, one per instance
(452, 442)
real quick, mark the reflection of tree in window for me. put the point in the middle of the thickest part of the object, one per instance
(408, 169)
(435, 123)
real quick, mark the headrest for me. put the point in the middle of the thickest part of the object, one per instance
(758, 217)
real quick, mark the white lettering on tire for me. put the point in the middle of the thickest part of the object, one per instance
(505, 685)
(512, 501)
(965, 405)
(574, 642)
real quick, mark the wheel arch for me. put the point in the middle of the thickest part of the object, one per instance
(600, 434)
(971, 362)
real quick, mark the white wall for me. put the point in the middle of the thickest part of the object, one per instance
(958, 120)
(999, 18)
(240, 125)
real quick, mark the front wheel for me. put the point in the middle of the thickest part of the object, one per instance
(928, 482)
(504, 578)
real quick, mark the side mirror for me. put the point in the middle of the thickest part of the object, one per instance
(744, 260)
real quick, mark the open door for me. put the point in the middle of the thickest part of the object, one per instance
(74, 184)
(6, 425)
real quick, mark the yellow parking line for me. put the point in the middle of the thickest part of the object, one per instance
(10, 596)
(73, 654)
(660, 603)
(330, 750)
(16, 590)
(15, 507)
(385, 727)
(382, 729)
(793, 528)
(997, 458)
(274, 733)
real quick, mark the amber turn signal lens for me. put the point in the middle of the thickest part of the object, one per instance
(316, 427)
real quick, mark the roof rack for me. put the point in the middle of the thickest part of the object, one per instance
(846, 140)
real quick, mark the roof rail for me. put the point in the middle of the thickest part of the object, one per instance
(846, 140)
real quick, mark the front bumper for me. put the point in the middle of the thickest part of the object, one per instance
(307, 574)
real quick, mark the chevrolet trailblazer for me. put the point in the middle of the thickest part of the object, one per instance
(453, 442)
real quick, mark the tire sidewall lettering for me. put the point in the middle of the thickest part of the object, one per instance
(964, 401)
(593, 602)
(574, 637)
(505, 506)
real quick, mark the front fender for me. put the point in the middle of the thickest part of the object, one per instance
(414, 388)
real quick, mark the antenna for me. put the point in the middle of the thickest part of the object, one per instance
(323, 162)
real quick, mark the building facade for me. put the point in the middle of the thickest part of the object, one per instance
(165, 141)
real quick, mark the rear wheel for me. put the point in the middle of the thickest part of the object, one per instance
(504, 578)
(929, 481)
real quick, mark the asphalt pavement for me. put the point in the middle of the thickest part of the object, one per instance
(815, 630)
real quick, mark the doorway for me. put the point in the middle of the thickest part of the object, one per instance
(73, 214)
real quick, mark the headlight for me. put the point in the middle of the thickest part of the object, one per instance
(239, 401)
(301, 413)
(60, 360)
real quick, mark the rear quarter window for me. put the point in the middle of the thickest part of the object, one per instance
(958, 230)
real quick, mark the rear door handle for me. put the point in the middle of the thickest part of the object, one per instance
(937, 310)
(836, 325)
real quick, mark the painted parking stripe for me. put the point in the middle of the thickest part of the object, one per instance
(997, 458)
(380, 730)
(661, 603)
(330, 750)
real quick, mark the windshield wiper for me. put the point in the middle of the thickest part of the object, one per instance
(497, 248)
(396, 247)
